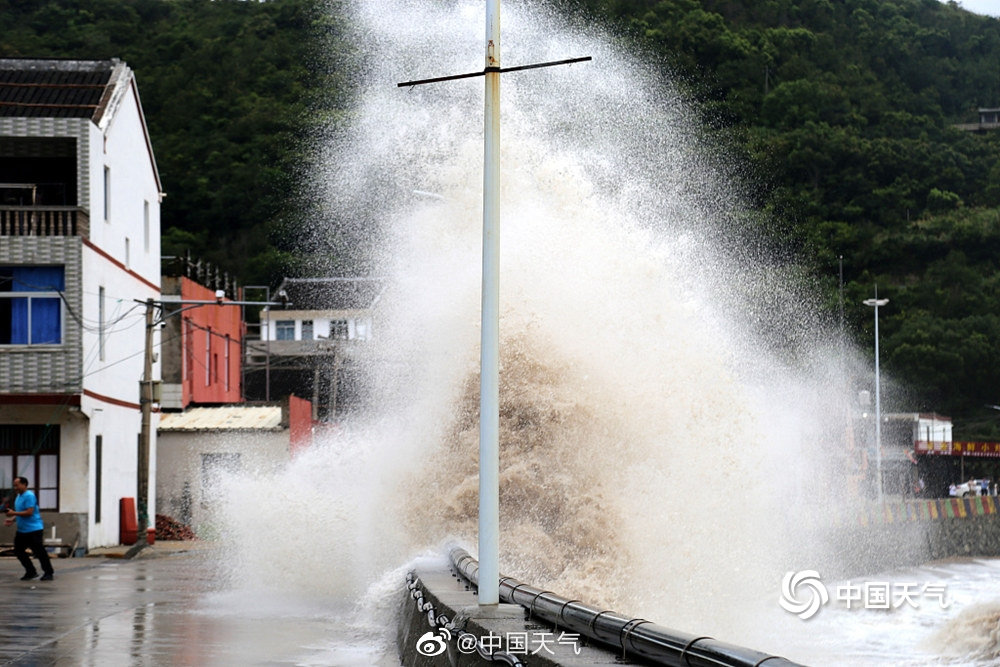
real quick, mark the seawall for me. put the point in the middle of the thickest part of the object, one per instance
(852, 543)
(902, 533)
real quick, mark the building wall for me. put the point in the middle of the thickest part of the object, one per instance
(299, 424)
(100, 362)
(71, 519)
(215, 376)
(80, 129)
(123, 258)
(189, 462)
(359, 323)
(119, 428)
(132, 187)
(55, 368)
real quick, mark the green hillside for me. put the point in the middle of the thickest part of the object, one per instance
(845, 110)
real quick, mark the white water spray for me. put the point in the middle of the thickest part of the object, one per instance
(666, 390)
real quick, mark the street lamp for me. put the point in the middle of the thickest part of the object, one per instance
(875, 303)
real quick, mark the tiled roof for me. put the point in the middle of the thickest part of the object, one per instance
(55, 88)
(331, 293)
(226, 418)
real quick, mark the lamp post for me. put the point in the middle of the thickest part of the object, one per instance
(875, 303)
(489, 373)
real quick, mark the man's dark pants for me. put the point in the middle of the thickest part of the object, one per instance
(33, 541)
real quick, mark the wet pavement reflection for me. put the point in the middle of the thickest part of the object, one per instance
(151, 611)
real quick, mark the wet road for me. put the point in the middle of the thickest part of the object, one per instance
(152, 610)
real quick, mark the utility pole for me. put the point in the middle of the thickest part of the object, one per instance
(146, 405)
(489, 354)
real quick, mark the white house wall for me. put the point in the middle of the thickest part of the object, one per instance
(179, 463)
(120, 261)
(70, 521)
(119, 428)
(118, 256)
(132, 184)
(359, 323)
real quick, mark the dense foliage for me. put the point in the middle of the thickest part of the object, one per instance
(845, 109)
(226, 86)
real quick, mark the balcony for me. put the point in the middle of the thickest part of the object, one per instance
(43, 221)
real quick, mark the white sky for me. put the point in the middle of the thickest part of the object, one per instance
(989, 7)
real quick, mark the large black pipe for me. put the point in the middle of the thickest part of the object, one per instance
(634, 637)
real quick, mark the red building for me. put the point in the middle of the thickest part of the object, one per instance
(201, 343)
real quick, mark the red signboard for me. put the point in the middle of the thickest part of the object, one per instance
(978, 449)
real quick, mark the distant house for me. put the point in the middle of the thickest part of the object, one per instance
(989, 119)
(311, 347)
(202, 348)
(202, 444)
(79, 245)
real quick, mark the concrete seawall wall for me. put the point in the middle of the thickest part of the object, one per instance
(903, 533)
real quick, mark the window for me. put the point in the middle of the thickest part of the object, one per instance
(208, 357)
(307, 329)
(284, 330)
(213, 468)
(189, 353)
(107, 194)
(228, 341)
(339, 329)
(31, 451)
(145, 226)
(30, 305)
(98, 481)
(100, 323)
(362, 329)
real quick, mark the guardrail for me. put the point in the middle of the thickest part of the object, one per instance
(43, 221)
(634, 637)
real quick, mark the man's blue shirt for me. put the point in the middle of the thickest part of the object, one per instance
(32, 522)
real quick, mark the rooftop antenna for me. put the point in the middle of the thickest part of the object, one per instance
(489, 376)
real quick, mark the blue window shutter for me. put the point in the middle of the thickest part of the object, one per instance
(46, 327)
(38, 279)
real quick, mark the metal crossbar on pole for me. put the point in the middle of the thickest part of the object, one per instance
(489, 368)
(501, 70)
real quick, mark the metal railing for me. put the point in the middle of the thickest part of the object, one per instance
(43, 221)
(635, 637)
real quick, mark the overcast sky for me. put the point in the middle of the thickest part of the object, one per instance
(990, 7)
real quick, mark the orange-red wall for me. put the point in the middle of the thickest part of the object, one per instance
(207, 375)
(299, 424)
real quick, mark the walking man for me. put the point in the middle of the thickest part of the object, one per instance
(30, 530)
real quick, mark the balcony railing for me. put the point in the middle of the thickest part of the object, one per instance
(43, 221)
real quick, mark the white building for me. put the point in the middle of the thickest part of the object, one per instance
(312, 347)
(200, 446)
(79, 245)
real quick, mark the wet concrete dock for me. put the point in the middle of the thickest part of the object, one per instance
(154, 609)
